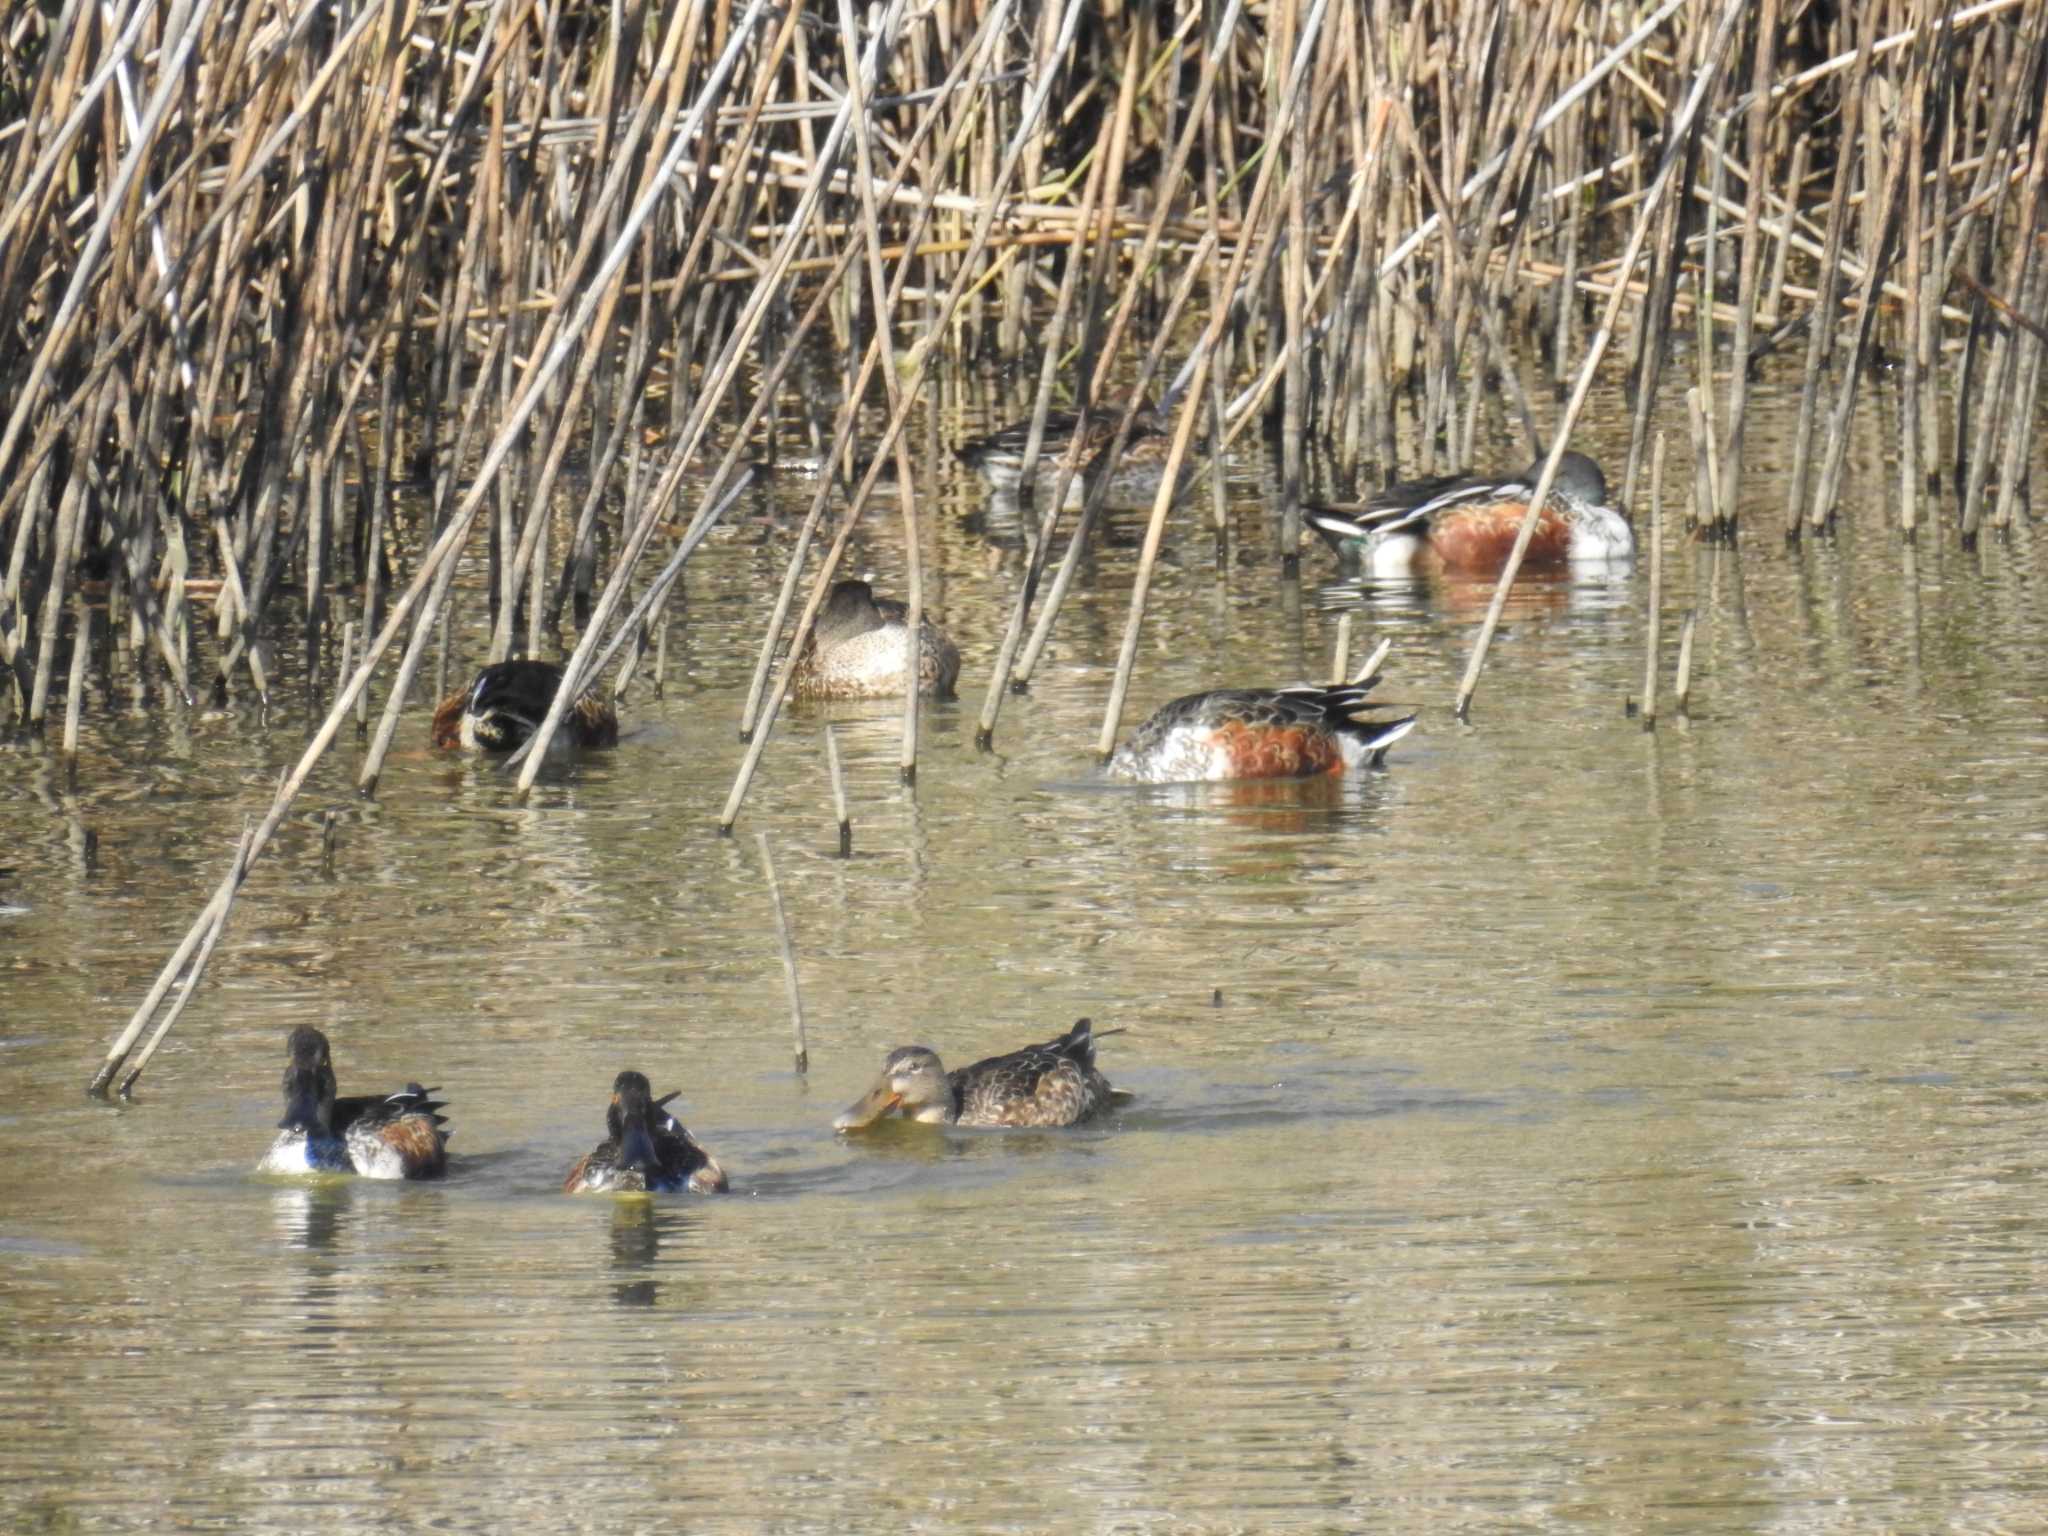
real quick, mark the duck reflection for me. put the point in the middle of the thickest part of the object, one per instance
(312, 1216)
(312, 1219)
(1536, 594)
(639, 1227)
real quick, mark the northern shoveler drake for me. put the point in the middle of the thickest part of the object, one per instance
(1260, 733)
(397, 1136)
(999, 455)
(1051, 1084)
(504, 706)
(645, 1149)
(1467, 523)
(860, 646)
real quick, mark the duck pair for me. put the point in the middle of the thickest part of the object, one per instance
(403, 1135)
(860, 644)
(857, 650)
(1463, 524)
(646, 1149)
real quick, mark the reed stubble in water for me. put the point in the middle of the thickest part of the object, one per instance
(787, 946)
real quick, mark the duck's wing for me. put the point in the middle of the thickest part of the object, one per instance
(371, 1110)
(683, 1158)
(1054, 1083)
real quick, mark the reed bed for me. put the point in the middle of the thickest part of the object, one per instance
(309, 305)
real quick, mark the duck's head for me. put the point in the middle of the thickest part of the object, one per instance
(1578, 476)
(507, 702)
(848, 612)
(913, 1083)
(632, 1118)
(308, 1084)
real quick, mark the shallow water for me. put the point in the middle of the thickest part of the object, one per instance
(1569, 1127)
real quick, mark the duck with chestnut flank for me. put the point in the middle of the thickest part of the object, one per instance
(645, 1149)
(1042, 1085)
(505, 704)
(395, 1136)
(1261, 733)
(1467, 524)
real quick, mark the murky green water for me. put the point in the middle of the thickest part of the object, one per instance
(1572, 1128)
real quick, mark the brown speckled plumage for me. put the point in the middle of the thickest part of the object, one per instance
(859, 646)
(1042, 1085)
(999, 455)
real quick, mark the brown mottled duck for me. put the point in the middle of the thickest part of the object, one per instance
(1042, 1085)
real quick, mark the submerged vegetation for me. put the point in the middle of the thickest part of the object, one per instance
(307, 304)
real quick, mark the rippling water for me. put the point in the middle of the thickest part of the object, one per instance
(1572, 1127)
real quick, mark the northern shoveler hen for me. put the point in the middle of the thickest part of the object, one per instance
(504, 706)
(1051, 1084)
(999, 456)
(397, 1136)
(1468, 523)
(860, 646)
(1260, 733)
(645, 1149)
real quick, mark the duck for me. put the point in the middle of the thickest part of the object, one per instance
(1052, 1084)
(1467, 524)
(645, 1149)
(505, 703)
(399, 1135)
(1261, 733)
(859, 647)
(999, 455)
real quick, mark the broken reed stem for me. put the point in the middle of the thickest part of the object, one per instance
(838, 774)
(1757, 143)
(1653, 619)
(1371, 665)
(74, 684)
(1340, 659)
(782, 939)
(1682, 689)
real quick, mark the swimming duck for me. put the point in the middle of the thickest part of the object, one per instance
(505, 705)
(999, 455)
(1051, 1084)
(397, 1136)
(1260, 733)
(1467, 523)
(645, 1149)
(860, 644)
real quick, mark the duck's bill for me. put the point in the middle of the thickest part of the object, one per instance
(878, 1101)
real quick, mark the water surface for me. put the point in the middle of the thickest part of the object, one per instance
(1570, 1127)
